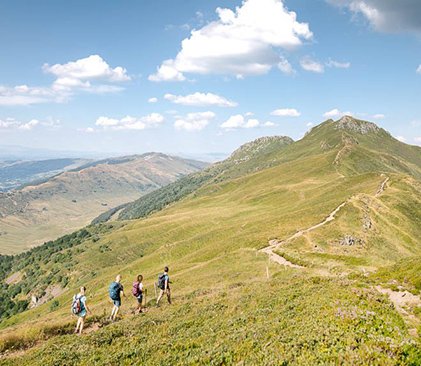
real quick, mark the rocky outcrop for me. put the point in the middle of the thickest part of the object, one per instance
(351, 124)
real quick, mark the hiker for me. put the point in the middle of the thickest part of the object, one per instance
(164, 286)
(137, 291)
(80, 308)
(115, 292)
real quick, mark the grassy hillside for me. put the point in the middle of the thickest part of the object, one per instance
(250, 157)
(69, 201)
(232, 305)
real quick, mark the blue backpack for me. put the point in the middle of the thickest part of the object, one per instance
(114, 291)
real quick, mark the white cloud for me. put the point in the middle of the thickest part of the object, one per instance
(87, 130)
(310, 65)
(286, 67)
(417, 139)
(12, 123)
(248, 114)
(130, 123)
(286, 112)
(419, 70)
(153, 100)
(89, 68)
(238, 121)
(201, 100)
(338, 65)
(336, 113)
(389, 16)
(194, 121)
(379, 116)
(269, 124)
(240, 42)
(309, 124)
(167, 72)
(401, 138)
(72, 77)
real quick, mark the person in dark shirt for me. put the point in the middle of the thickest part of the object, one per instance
(115, 292)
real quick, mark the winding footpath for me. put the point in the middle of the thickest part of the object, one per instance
(274, 244)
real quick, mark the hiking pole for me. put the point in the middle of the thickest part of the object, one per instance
(156, 293)
(146, 293)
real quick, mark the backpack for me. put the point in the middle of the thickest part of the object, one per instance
(114, 291)
(161, 281)
(135, 289)
(76, 305)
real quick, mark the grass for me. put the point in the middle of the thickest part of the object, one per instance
(225, 310)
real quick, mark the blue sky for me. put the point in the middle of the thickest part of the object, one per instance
(82, 75)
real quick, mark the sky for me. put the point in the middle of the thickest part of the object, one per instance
(196, 76)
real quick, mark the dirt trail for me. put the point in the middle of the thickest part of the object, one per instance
(402, 299)
(382, 187)
(274, 244)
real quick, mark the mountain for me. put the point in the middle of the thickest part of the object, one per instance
(14, 174)
(46, 209)
(248, 158)
(338, 213)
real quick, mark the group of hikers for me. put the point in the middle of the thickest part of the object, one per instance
(80, 307)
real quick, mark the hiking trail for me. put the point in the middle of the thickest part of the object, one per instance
(275, 244)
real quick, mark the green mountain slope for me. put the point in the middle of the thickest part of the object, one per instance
(45, 210)
(232, 305)
(248, 158)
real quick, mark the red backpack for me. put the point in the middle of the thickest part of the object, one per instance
(135, 289)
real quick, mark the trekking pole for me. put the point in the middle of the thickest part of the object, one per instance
(146, 293)
(156, 293)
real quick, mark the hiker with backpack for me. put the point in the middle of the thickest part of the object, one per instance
(138, 291)
(115, 292)
(164, 286)
(80, 309)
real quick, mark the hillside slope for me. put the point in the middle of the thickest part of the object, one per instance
(14, 174)
(230, 303)
(68, 201)
(246, 159)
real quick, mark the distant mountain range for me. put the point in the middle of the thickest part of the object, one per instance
(45, 208)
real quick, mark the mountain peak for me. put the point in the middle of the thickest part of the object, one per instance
(262, 145)
(352, 124)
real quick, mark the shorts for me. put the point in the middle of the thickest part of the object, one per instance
(117, 302)
(82, 314)
(139, 298)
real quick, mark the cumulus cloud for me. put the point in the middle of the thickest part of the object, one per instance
(201, 100)
(269, 124)
(417, 139)
(286, 112)
(71, 78)
(238, 121)
(310, 124)
(388, 16)
(130, 123)
(286, 67)
(241, 42)
(12, 123)
(401, 138)
(310, 65)
(418, 70)
(379, 116)
(89, 68)
(194, 121)
(153, 100)
(336, 113)
(338, 65)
